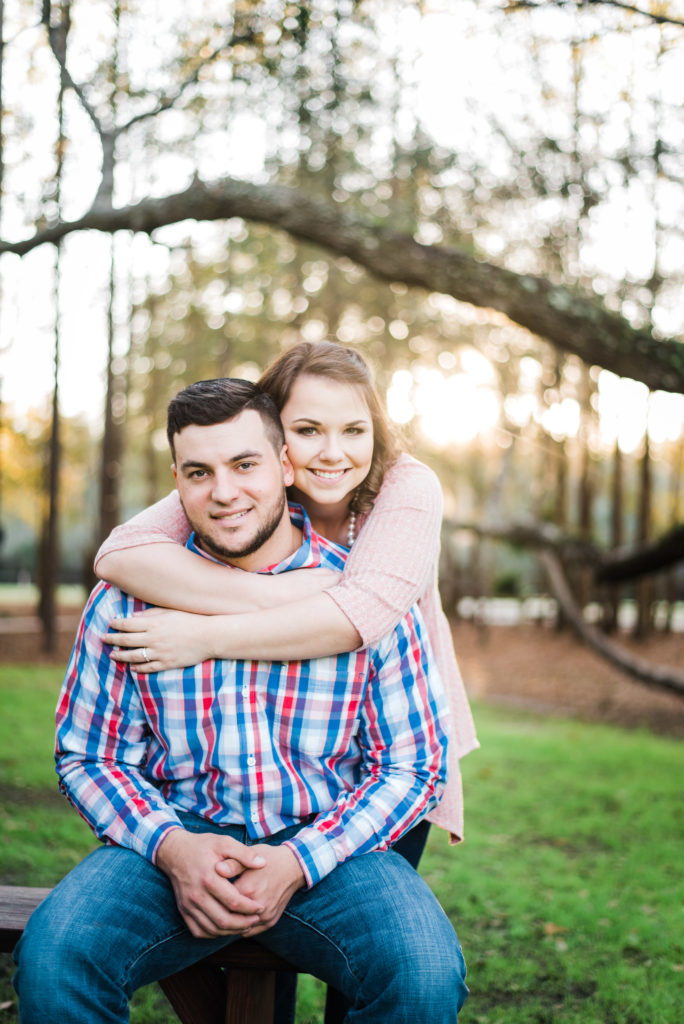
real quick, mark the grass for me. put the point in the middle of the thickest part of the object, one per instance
(567, 895)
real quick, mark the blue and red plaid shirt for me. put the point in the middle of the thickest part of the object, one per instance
(358, 740)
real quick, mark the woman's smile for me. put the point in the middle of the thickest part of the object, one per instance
(328, 474)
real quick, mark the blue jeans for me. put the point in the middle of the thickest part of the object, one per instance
(372, 929)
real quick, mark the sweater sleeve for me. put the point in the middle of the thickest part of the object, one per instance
(163, 522)
(394, 558)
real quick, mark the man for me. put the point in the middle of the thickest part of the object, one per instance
(245, 798)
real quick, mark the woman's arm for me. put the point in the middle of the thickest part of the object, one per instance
(310, 628)
(391, 564)
(394, 559)
(146, 557)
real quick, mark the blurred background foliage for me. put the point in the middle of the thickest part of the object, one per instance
(545, 138)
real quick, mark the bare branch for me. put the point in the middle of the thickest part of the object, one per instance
(623, 564)
(55, 34)
(616, 566)
(660, 676)
(659, 19)
(573, 321)
(553, 549)
(167, 102)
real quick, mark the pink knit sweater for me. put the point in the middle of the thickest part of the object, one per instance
(392, 565)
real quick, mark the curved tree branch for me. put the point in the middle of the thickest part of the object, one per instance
(660, 18)
(661, 676)
(625, 564)
(620, 565)
(553, 548)
(572, 321)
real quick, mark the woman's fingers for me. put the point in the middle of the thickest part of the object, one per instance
(125, 639)
(136, 659)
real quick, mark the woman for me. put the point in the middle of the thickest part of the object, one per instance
(360, 491)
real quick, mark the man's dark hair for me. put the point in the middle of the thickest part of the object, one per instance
(215, 401)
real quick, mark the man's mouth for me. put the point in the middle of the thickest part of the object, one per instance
(230, 517)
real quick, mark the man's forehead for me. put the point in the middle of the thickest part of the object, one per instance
(225, 440)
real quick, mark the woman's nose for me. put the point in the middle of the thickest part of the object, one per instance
(331, 449)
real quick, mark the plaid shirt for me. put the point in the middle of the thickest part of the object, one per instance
(358, 740)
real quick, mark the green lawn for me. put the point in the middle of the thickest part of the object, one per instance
(567, 895)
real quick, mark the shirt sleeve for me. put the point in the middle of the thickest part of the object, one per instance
(403, 742)
(395, 556)
(161, 523)
(101, 740)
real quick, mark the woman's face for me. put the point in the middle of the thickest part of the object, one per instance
(329, 436)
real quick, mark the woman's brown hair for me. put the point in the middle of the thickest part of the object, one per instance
(342, 364)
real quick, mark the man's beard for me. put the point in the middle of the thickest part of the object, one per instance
(264, 533)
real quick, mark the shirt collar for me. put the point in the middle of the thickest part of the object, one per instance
(307, 555)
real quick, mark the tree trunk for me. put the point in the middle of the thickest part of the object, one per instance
(49, 546)
(645, 588)
(110, 467)
(614, 591)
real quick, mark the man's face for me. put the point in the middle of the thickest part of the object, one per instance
(231, 483)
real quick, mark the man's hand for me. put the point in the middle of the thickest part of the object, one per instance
(209, 904)
(271, 886)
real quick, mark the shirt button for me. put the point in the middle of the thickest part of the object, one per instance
(251, 759)
(255, 817)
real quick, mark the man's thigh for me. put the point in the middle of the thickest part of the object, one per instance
(370, 919)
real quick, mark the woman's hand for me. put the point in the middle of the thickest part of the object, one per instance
(159, 639)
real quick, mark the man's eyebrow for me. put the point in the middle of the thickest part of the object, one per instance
(240, 457)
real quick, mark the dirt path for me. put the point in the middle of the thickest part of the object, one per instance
(536, 668)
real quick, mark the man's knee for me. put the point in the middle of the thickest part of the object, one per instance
(50, 959)
(426, 973)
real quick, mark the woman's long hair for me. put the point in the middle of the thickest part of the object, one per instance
(344, 365)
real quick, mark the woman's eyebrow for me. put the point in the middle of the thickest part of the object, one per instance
(317, 423)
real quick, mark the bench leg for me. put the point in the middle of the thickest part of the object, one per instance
(197, 994)
(251, 997)
(204, 994)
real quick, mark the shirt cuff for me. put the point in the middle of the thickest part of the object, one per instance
(148, 835)
(315, 853)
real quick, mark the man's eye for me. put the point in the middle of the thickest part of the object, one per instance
(246, 465)
(197, 474)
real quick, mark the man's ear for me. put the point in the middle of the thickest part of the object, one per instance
(174, 471)
(288, 469)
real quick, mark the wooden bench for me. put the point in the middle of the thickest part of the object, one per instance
(241, 993)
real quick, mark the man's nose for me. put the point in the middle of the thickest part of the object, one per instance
(225, 488)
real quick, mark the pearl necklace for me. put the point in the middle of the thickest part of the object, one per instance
(351, 529)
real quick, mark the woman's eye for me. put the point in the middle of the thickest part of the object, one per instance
(306, 431)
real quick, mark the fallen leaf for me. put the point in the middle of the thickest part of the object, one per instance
(553, 929)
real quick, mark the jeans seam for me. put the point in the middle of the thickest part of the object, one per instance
(319, 931)
(155, 944)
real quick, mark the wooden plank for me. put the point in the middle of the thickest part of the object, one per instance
(17, 903)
